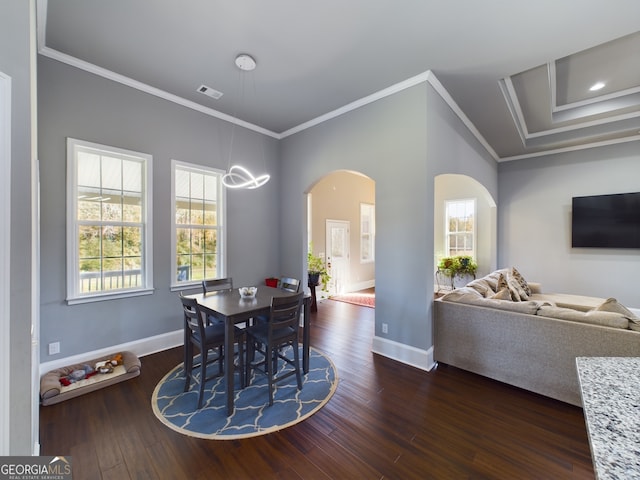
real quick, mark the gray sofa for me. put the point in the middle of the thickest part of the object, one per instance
(529, 339)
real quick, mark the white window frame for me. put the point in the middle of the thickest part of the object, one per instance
(448, 234)
(368, 212)
(220, 227)
(74, 295)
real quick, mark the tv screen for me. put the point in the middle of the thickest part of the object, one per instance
(606, 221)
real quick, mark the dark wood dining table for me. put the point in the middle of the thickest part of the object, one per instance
(231, 308)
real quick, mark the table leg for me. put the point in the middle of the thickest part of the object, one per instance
(306, 337)
(228, 362)
(314, 302)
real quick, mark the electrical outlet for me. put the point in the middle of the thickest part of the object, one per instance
(54, 348)
(385, 328)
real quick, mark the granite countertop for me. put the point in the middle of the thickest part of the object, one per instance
(610, 388)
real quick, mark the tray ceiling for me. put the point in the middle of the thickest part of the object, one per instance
(518, 72)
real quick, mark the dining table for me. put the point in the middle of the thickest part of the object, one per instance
(232, 308)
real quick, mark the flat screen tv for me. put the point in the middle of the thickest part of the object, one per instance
(606, 221)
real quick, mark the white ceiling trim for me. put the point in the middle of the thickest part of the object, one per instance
(435, 83)
(374, 97)
(116, 77)
(510, 97)
(551, 66)
(505, 85)
(574, 148)
(513, 104)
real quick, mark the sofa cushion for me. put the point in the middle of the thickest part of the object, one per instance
(594, 317)
(470, 296)
(482, 286)
(564, 300)
(612, 305)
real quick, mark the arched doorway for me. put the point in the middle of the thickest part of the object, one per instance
(341, 229)
(450, 188)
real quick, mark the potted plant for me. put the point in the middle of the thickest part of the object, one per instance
(457, 266)
(317, 270)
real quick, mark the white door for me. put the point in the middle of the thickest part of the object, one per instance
(338, 241)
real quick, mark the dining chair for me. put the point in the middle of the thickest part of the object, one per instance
(289, 284)
(206, 337)
(270, 338)
(216, 285)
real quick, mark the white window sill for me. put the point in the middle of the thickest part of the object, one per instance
(109, 296)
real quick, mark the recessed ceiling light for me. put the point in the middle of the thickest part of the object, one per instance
(596, 86)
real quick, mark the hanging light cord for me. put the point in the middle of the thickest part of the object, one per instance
(238, 176)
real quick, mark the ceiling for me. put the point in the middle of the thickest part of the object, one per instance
(517, 72)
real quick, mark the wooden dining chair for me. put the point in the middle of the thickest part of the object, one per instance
(289, 284)
(270, 338)
(206, 337)
(216, 285)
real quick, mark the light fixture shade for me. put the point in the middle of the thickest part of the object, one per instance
(240, 177)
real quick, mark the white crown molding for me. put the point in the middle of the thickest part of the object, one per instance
(374, 97)
(588, 101)
(428, 76)
(435, 83)
(573, 148)
(116, 77)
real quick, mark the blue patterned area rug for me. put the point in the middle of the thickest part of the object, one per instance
(252, 414)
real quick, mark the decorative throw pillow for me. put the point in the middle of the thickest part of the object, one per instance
(612, 305)
(503, 294)
(501, 283)
(523, 283)
(517, 293)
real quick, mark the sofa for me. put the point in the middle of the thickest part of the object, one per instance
(503, 327)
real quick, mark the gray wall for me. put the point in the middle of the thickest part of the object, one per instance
(452, 149)
(535, 221)
(402, 142)
(16, 45)
(74, 103)
(385, 141)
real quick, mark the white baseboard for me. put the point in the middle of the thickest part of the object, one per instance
(142, 347)
(416, 357)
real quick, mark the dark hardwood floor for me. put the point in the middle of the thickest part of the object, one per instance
(385, 421)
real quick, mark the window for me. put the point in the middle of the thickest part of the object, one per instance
(367, 232)
(460, 227)
(109, 247)
(198, 226)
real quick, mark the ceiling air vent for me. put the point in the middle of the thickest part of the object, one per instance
(210, 92)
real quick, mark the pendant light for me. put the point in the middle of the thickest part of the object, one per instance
(238, 176)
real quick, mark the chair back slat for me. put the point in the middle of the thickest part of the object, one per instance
(217, 285)
(285, 312)
(289, 284)
(193, 318)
